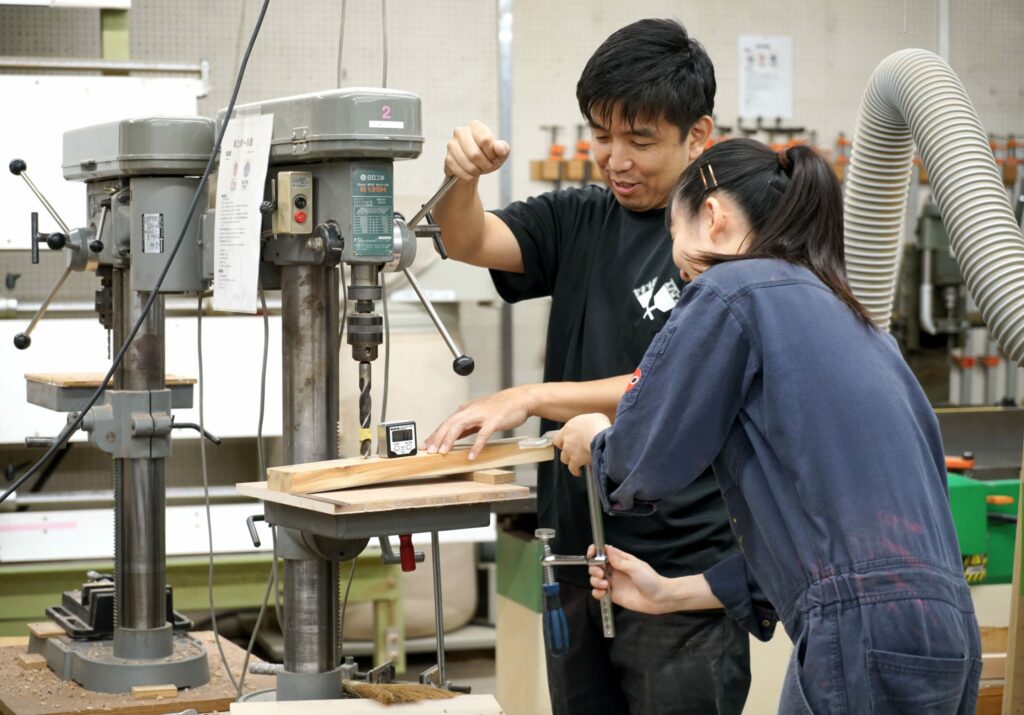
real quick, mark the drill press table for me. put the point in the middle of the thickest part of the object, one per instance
(364, 512)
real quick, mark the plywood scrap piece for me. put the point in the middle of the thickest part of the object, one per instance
(45, 629)
(339, 474)
(150, 692)
(444, 492)
(31, 661)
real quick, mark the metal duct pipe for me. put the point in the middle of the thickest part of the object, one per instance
(914, 97)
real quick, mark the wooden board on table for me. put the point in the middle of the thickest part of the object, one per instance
(358, 472)
(40, 692)
(90, 379)
(392, 497)
(462, 705)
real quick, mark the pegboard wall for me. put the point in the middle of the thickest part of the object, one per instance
(447, 53)
(836, 45)
(49, 32)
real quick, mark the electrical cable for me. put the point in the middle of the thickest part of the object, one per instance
(344, 603)
(387, 349)
(206, 500)
(261, 453)
(255, 632)
(74, 424)
(241, 32)
(384, 34)
(341, 41)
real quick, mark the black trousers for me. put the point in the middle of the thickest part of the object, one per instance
(695, 663)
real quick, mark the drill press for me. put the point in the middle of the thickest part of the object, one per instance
(140, 177)
(330, 208)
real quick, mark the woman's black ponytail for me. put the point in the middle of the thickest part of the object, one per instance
(792, 199)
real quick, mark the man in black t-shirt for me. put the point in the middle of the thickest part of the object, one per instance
(603, 254)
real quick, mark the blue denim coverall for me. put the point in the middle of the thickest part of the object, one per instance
(830, 462)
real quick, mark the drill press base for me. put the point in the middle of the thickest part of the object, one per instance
(94, 665)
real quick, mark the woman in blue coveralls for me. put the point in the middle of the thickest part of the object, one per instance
(826, 450)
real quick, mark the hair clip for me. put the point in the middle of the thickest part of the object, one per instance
(714, 181)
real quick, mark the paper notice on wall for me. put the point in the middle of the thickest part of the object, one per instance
(766, 76)
(241, 176)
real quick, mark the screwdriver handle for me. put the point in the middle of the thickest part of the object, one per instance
(556, 627)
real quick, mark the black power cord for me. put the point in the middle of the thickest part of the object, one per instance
(73, 426)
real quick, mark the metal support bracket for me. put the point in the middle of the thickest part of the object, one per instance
(131, 424)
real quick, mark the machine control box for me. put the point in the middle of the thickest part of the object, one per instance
(396, 439)
(294, 213)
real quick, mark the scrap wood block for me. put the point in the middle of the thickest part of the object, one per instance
(491, 476)
(31, 661)
(45, 629)
(145, 692)
(358, 472)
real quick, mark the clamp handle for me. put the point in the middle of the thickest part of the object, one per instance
(556, 626)
(388, 556)
(407, 552)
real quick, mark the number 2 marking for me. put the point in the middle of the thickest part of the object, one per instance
(385, 112)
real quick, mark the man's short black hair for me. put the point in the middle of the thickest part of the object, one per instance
(645, 71)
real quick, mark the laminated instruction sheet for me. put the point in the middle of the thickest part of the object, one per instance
(241, 176)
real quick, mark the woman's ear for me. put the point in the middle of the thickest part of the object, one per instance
(715, 218)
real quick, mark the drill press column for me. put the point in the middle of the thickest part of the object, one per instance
(309, 319)
(139, 548)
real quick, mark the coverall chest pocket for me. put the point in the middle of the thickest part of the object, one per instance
(643, 373)
(902, 683)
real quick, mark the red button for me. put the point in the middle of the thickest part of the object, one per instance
(300, 216)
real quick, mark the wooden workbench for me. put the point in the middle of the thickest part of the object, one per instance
(41, 692)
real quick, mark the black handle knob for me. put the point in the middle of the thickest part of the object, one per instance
(439, 247)
(250, 522)
(17, 166)
(22, 341)
(95, 245)
(56, 241)
(463, 365)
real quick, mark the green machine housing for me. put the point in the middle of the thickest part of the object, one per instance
(985, 515)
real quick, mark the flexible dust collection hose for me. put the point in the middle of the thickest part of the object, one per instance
(914, 97)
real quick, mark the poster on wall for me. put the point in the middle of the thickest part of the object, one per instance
(766, 76)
